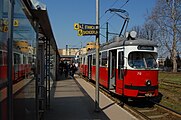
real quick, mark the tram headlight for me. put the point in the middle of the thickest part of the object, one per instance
(148, 82)
(133, 34)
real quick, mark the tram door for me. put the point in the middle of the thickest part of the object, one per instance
(89, 66)
(120, 80)
(112, 69)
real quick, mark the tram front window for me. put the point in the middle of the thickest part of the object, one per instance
(142, 60)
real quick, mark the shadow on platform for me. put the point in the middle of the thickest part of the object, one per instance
(69, 101)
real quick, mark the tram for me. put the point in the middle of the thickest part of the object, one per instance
(128, 66)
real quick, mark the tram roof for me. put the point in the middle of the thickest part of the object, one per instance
(120, 41)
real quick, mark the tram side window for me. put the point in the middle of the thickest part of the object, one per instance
(100, 54)
(5, 58)
(17, 58)
(104, 58)
(24, 59)
(84, 60)
(120, 65)
(94, 59)
(81, 60)
(1, 58)
(30, 60)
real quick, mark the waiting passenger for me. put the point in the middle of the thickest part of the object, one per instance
(73, 69)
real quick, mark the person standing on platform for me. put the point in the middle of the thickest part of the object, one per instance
(66, 69)
(61, 65)
(73, 69)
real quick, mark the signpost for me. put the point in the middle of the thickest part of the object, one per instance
(90, 29)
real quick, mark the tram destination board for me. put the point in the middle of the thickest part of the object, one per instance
(87, 32)
(86, 29)
(78, 26)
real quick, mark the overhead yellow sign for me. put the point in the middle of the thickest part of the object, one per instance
(87, 32)
(5, 29)
(86, 29)
(15, 23)
(80, 33)
(76, 26)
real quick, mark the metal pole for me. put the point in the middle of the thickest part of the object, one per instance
(107, 33)
(10, 53)
(49, 74)
(97, 60)
(46, 71)
(36, 69)
(66, 49)
(122, 27)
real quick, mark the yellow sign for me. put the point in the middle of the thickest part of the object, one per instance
(90, 32)
(76, 26)
(5, 29)
(87, 32)
(80, 33)
(5, 22)
(16, 23)
(86, 29)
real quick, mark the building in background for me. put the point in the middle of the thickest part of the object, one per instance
(77, 51)
(90, 45)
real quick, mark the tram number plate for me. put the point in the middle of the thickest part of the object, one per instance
(148, 94)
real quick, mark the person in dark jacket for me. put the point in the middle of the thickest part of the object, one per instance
(61, 65)
(66, 69)
(73, 69)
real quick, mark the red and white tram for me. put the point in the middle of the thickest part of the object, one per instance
(127, 67)
(21, 65)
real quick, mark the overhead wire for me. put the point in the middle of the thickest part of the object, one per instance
(110, 6)
(114, 13)
(103, 16)
(108, 18)
(101, 27)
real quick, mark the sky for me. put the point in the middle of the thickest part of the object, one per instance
(64, 13)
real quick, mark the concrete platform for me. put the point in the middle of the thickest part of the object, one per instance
(73, 99)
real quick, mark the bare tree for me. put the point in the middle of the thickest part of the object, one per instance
(167, 16)
(138, 30)
(147, 31)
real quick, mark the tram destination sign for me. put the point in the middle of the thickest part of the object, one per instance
(85, 32)
(86, 29)
(78, 26)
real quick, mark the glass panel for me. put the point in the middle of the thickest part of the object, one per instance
(120, 60)
(104, 58)
(24, 43)
(142, 60)
(52, 63)
(94, 59)
(120, 64)
(3, 39)
(3, 58)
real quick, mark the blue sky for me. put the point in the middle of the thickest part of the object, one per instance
(64, 13)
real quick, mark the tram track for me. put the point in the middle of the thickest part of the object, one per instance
(171, 84)
(143, 110)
